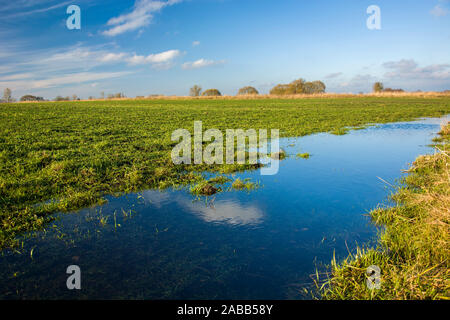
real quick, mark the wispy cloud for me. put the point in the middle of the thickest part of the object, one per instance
(333, 75)
(201, 63)
(112, 57)
(195, 43)
(17, 76)
(28, 12)
(76, 78)
(140, 16)
(439, 11)
(57, 81)
(358, 83)
(75, 65)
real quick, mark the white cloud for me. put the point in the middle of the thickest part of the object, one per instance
(158, 59)
(74, 58)
(33, 71)
(201, 63)
(163, 56)
(195, 43)
(78, 66)
(438, 11)
(409, 69)
(141, 16)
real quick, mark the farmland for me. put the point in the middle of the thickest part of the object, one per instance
(62, 156)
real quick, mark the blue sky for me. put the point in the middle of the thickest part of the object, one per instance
(147, 47)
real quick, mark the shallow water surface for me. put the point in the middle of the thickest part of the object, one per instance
(262, 244)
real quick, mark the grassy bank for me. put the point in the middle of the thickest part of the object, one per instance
(413, 252)
(65, 156)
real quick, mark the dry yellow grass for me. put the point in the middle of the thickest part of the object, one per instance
(303, 96)
(430, 94)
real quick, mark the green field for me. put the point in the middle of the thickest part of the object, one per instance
(68, 155)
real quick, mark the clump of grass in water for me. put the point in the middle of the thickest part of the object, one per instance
(238, 184)
(280, 155)
(340, 131)
(219, 179)
(305, 155)
(413, 249)
(203, 188)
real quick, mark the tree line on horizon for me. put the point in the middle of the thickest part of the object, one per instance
(299, 86)
(379, 87)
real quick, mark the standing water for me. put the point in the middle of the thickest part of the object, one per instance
(261, 244)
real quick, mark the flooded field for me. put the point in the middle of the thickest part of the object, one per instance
(259, 244)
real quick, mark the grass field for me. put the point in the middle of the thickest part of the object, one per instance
(413, 251)
(65, 156)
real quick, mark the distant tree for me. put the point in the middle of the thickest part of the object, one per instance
(247, 91)
(30, 97)
(195, 91)
(91, 97)
(110, 96)
(280, 89)
(102, 95)
(7, 95)
(393, 90)
(74, 97)
(314, 87)
(60, 98)
(296, 87)
(211, 93)
(319, 86)
(378, 87)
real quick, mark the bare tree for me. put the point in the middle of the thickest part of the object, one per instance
(195, 91)
(7, 95)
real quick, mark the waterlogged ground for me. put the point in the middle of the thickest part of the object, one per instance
(261, 244)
